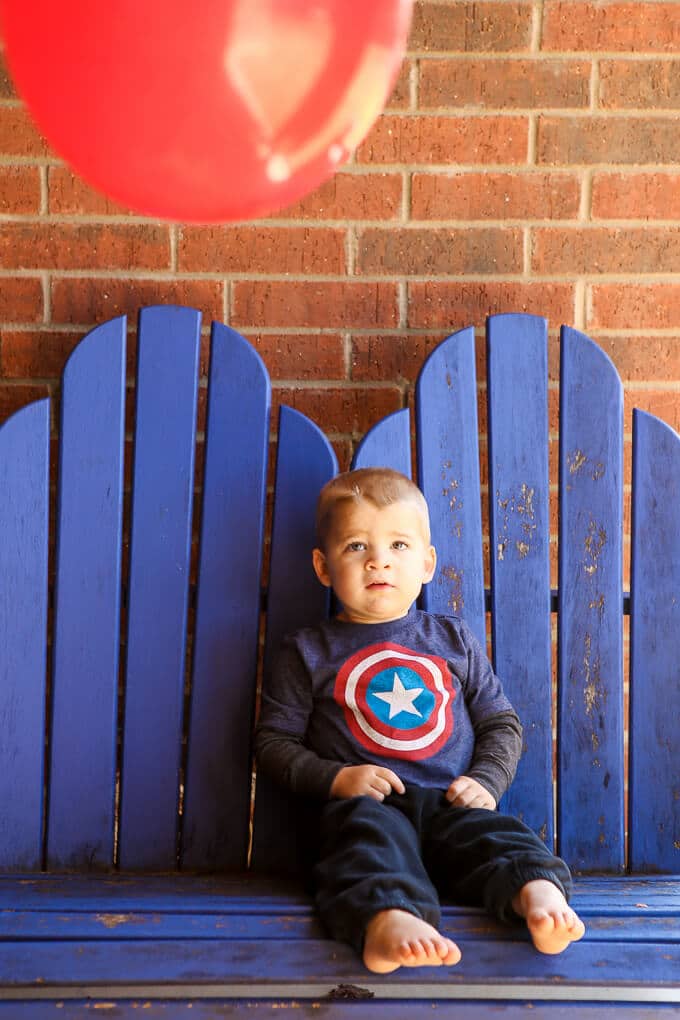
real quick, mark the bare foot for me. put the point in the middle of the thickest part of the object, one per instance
(395, 938)
(551, 922)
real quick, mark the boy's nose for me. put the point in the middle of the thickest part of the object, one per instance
(378, 559)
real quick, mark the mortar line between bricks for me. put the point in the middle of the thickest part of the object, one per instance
(174, 245)
(227, 300)
(389, 226)
(44, 193)
(47, 297)
(537, 27)
(634, 277)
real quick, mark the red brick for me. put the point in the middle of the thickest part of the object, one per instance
(306, 356)
(642, 358)
(6, 85)
(19, 190)
(663, 404)
(351, 196)
(493, 26)
(14, 398)
(18, 135)
(349, 410)
(400, 97)
(440, 252)
(633, 27)
(71, 196)
(635, 306)
(605, 249)
(588, 139)
(452, 306)
(640, 84)
(85, 300)
(322, 305)
(387, 356)
(645, 195)
(430, 139)
(21, 299)
(49, 245)
(35, 354)
(504, 84)
(245, 249)
(476, 196)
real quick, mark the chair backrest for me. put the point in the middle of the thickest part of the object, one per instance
(139, 680)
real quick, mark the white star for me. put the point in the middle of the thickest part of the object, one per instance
(400, 698)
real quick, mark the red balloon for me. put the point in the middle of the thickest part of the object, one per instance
(205, 112)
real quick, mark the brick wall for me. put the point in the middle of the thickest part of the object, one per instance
(529, 159)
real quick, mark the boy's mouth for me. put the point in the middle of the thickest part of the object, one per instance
(380, 584)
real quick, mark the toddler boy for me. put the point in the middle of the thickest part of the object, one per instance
(393, 719)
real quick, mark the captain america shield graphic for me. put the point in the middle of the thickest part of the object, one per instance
(397, 702)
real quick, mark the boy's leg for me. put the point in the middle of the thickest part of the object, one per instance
(495, 860)
(372, 888)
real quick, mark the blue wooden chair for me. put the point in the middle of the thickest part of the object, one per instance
(138, 870)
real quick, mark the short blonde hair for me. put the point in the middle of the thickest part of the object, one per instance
(380, 486)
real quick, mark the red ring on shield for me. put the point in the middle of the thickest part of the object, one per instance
(351, 689)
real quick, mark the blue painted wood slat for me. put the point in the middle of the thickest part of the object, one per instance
(587, 968)
(520, 550)
(217, 800)
(590, 636)
(24, 508)
(167, 370)
(305, 462)
(387, 444)
(87, 610)
(654, 815)
(448, 461)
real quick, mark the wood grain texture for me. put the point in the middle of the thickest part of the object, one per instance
(24, 495)
(655, 626)
(216, 816)
(160, 551)
(519, 512)
(88, 598)
(590, 705)
(448, 459)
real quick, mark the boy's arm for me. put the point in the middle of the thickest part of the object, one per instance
(291, 764)
(498, 743)
(498, 746)
(497, 729)
(287, 705)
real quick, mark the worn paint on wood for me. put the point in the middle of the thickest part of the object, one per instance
(520, 550)
(160, 551)
(448, 459)
(216, 812)
(590, 729)
(88, 597)
(24, 495)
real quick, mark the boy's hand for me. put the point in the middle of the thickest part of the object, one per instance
(466, 792)
(365, 781)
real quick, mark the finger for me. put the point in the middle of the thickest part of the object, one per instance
(456, 790)
(393, 780)
(382, 785)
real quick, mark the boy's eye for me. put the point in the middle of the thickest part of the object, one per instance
(356, 546)
(399, 544)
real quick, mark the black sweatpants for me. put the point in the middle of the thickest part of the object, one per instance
(412, 848)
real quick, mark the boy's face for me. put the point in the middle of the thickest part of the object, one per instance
(376, 560)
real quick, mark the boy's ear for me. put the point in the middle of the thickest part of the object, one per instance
(320, 567)
(430, 564)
